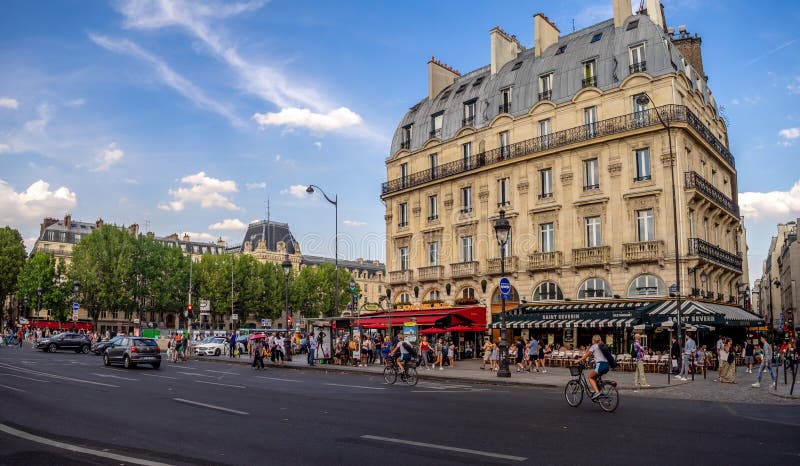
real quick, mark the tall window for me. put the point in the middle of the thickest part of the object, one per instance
(642, 165)
(546, 86)
(403, 252)
(637, 57)
(594, 233)
(402, 215)
(647, 285)
(591, 175)
(545, 131)
(547, 237)
(436, 124)
(468, 293)
(589, 73)
(466, 155)
(434, 295)
(640, 116)
(691, 223)
(645, 225)
(404, 174)
(408, 132)
(505, 100)
(433, 253)
(546, 183)
(469, 113)
(466, 249)
(404, 298)
(433, 160)
(594, 288)
(433, 207)
(590, 121)
(547, 291)
(466, 200)
(504, 142)
(503, 192)
(507, 247)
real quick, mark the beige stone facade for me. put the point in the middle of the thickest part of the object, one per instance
(583, 177)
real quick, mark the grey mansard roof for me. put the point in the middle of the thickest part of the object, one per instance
(611, 55)
(273, 231)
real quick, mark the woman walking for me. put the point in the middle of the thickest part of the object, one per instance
(439, 348)
(451, 354)
(424, 349)
(727, 371)
(495, 353)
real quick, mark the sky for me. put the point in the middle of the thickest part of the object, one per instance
(188, 117)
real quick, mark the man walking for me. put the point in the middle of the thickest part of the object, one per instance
(639, 351)
(258, 353)
(748, 356)
(232, 345)
(689, 348)
(675, 355)
(533, 354)
(766, 362)
(312, 347)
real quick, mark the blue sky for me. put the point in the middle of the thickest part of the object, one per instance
(189, 116)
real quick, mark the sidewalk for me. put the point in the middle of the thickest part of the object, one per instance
(469, 371)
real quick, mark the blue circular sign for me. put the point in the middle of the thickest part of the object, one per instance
(505, 285)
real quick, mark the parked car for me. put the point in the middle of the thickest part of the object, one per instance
(130, 351)
(78, 342)
(213, 346)
(100, 347)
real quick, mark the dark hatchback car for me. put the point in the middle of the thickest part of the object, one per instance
(130, 351)
(77, 342)
(100, 347)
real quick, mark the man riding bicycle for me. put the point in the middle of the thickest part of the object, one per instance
(405, 352)
(600, 364)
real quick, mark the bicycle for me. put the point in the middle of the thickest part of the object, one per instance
(391, 371)
(573, 392)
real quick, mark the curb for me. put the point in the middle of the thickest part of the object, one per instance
(499, 382)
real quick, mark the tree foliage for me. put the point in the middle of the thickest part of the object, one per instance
(12, 257)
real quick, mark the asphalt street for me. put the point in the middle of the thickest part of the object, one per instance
(66, 408)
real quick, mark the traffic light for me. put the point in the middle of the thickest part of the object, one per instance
(189, 310)
(289, 321)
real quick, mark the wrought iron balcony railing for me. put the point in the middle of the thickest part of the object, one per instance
(591, 81)
(611, 126)
(640, 67)
(436, 133)
(546, 95)
(468, 121)
(710, 253)
(701, 185)
(504, 108)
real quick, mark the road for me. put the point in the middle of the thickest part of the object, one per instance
(212, 413)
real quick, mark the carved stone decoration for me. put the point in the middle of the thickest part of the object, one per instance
(615, 168)
(448, 201)
(566, 178)
(666, 159)
(483, 195)
(416, 209)
(388, 218)
(466, 229)
(522, 186)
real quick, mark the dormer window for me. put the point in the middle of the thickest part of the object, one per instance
(589, 74)
(546, 87)
(461, 88)
(637, 59)
(469, 113)
(516, 66)
(632, 25)
(408, 132)
(561, 50)
(505, 101)
(596, 37)
(436, 124)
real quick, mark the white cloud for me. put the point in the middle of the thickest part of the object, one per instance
(228, 224)
(80, 102)
(354, 223)
(170, 77)
(203, 190)
(4, 148)
(318, 144)
(130, 181)
(8, 102)
(794, 87)
(337, 119)
(256, 185)
(774, 204)
(45, 113)
(35, 203)
(107, 157)
(202, 237)
(789, 133)
(296, 190)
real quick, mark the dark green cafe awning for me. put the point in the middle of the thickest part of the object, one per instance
(566, 314)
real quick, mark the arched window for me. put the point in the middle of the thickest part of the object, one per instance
(468, 293)
(647, 285)
(594, 288)
(514, 296)
(404, 298)
(434, 295)
(547, 291)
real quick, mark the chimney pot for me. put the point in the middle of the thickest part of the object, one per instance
(545, 34)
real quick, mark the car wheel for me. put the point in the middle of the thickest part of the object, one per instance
(106, 360)
(156, 365)
(126, 362)
(85, 349)
(217, 352)
(52, 348)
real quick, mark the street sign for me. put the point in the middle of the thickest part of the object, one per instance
(74, 316)
(673, 288)
(135, 321)
(75, 307)
(266, 323)
(234, 316)
(205, 305)
(505, 288)
(352, 286)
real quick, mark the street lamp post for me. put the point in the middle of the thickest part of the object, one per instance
(287, 342)
(76, 286)
(502, 230)
(38, 300)
(644, 99)
(335, 202)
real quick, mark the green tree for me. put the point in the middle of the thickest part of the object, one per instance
(59, 298)
(12, 257)
(38, 272)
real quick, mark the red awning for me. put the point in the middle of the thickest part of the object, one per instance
(52, 325)
(467, 316)
(466, 328)
(432, 331)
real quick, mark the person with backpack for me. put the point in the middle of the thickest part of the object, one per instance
(406, 352)
(602, 363)
(637, 353)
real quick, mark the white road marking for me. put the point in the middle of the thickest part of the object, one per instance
(277, 378)
(115, 377)
(221, 384)
(219, 372)
(60, 377)
(160, 376)
(355, 386)
(77, 449)
(444, 391)
(220, 408)
(197, 375)
(23, 377)
(443, 447)
(10, 388)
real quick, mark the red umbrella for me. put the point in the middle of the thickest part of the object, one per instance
(256, 336)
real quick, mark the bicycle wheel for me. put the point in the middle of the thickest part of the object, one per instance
(609, 397)
(573, 392)
(389, 375)
(411, 376)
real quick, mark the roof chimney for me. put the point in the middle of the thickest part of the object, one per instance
(46, 223)
(439, 77)
(151, 235)
(220, 242)
(504, 48)
(68, 221)
(134, 229)
(545, 33)
(655, 12)
(99, 223)
(186, 237)
(622, 10)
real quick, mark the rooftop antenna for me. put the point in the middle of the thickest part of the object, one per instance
(573, 24)
(147, 226)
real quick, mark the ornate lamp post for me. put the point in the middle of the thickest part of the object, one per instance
(76, 286)
(335, 202)
(38, 300)
(644, 99)
(502, 230)
(287, 342)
